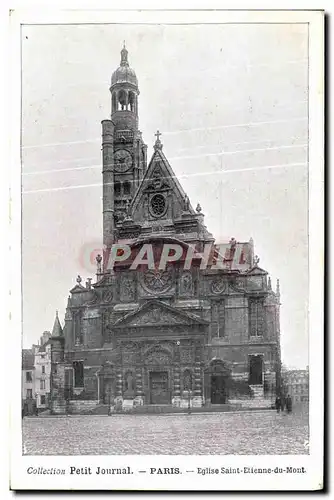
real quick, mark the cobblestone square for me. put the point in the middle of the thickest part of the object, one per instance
(243, 433)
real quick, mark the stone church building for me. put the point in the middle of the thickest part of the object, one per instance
(186, 335)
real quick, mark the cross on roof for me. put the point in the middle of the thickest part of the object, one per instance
(158, 134)
(158, 144)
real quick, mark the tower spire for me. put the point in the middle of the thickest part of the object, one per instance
(57, 330)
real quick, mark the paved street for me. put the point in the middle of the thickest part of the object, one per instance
(244, 433)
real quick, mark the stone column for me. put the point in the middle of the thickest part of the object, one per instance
(119, 384)
(139, 399)
(176, 400)
(108, 182)
(198, 396)
(176, 396)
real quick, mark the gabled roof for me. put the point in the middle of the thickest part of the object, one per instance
(78, 289)
(160, 161)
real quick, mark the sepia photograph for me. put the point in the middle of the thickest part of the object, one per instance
(165, 215)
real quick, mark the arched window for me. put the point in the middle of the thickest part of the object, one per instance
(126, 187)
(122, 100)
(132, 101)
(113, 102)
(117, 188)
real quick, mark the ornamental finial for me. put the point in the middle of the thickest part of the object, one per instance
(98, 261)
(124, 56)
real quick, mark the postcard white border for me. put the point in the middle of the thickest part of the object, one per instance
(313, 462)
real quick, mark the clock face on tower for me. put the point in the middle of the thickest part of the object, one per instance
(123, 160)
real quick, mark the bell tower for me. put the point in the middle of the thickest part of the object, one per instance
(124, 152)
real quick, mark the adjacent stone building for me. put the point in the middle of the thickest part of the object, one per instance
(36, 370)
(187, 334)
(28, 382)
(42, 364)
(296, 383)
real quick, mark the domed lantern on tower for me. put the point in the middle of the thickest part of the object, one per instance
(124, 94)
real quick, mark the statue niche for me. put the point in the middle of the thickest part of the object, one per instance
(129, 392)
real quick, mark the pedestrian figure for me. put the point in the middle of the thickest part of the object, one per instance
(289, 404)
(278, 404)
(282, 403)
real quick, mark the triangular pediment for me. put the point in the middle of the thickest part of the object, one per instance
(156, 313)
(257, 271)
(78, 289)
(160, 179)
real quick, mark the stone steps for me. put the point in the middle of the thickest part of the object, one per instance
(161, 409)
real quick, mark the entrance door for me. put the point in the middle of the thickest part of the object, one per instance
(218, 392)
(255, 370)
(159, 388)
(108, 390)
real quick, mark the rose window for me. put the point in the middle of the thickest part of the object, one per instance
(158, 204)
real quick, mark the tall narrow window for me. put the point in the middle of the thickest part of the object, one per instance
(114, 98)
(117, 188)
(218, 319)
(78, 373)
(28, 377)
(132, 101)
(126, 187)
(256, 318)
(43, 369)
(221, 319)
(78, 334)
(42, 384)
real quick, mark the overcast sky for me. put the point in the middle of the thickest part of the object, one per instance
(231, 102)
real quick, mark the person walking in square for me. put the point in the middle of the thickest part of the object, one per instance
(278, 404)
(289, 404)
(283, 402)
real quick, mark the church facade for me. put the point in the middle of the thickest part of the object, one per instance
(198, 333)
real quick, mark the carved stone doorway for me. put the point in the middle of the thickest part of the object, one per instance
(218, 390)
